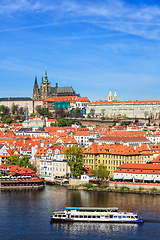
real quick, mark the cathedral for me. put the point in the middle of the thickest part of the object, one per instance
(46, 91)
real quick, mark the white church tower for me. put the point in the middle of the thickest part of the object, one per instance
(115, 96)
(110, 97)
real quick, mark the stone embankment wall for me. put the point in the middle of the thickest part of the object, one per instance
(133, 186)
(75, 182)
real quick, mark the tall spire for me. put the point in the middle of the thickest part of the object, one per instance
(45, 78)
(35, 80)
(56, 82)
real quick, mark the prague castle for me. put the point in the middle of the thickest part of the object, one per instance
(65, 97)
(46, 90)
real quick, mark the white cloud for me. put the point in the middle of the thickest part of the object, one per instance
(10, 7)
(117, 15)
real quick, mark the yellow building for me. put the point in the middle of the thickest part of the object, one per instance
(111, 156)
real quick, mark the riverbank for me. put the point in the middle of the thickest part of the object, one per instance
(121, 189)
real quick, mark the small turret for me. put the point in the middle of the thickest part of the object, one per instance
(56, 82)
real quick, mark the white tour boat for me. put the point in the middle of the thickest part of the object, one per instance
(95, 214)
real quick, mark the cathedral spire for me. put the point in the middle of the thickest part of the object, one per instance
(35, 80)
(56, 82)
(45, 78)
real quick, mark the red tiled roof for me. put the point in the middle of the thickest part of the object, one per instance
(138, 168)
(133, 102)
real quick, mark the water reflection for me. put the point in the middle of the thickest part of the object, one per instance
(91, 227)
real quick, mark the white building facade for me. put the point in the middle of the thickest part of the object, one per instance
(131, 109)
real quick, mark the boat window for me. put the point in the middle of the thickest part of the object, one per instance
(55, 215)
(93, 216)
(106, 216)
(72, 216)
(63, 215)
(89, 216)
(115, 216)
(85, 216)
(102, 216)
(76, 216)
(128, 216)
(111, 216)
(98, 216)
(119, 217)
(81, 216)
(124, 216)
(59, 215)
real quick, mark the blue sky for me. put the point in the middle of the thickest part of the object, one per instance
(93, 46)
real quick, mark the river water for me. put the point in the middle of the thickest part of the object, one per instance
(24, 214)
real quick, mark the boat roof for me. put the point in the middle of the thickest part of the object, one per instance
(91, 208)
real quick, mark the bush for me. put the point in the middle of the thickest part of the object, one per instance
(88, 185)
(125, 123)
(123, 188)
(154, 189)
(140, 188)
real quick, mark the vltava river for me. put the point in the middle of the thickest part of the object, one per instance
(24, 214)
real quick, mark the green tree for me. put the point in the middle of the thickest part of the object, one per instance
(24, 162)
(49, 114)
(61, 122)
(77, 112)
(33, 114)
(88, 116)
(75, 158)
(14, 109)
(13, 160)
(67, 114)
(21, 111)
(101, 173)
(59, 113)
(9, 120)
(3, 120)
(55, 124)
(2, 110)
(69, 122)
(21, 162)
(39, 109)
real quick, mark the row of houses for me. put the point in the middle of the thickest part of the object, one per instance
(101, 145)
